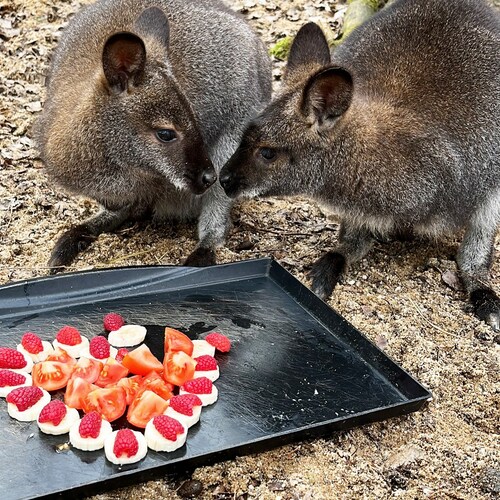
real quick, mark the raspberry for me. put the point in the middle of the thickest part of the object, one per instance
(122, 352)
(11, 358)
(69, 336)
(205, 363)
(113, 322)
(90, 425)
(125, 443)
(184, 403)
(10, 378)
(53, 412)
(99, 347)
(25, 397)
(32, 343)
(200, 385)
(168, 427)
(219, 341)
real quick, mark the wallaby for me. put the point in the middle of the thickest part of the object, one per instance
(397, 131)
(146, 101)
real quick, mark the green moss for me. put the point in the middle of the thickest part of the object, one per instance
(369, 3)
(281, 48)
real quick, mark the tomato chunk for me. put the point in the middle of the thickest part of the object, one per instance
(178, 367)
(177, 341)
(131, 385)
(87, 369)
(110, 402)
(51, 375)
(112, 371)
(155, 382)
(142, 361)
(62, 356)
(76, 392)
(145, 407)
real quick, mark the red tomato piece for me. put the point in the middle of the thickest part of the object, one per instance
(145, 407)
(178, 367)
(142, 361)
(110, 402)
(51, 375)
(131, 386)
(155, 382)
(62, 356)
(76, 392)
(177, 341)
(87, 369)
(112, 371)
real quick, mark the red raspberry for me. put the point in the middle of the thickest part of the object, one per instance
(122, 352)
(10, 378)
(25, 397)
(53, 412)
(113, 322)
(69, 336)
(201, 385)
(219, 341)
(205, 363)
(184, 403)
(99, 347)
(32, 343)
(90, 425)
(11, 358)
(168, 427)
(125, 443)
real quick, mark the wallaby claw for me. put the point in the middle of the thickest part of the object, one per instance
(201, 257)
(67, 247)
(486, 305)
(325, 274)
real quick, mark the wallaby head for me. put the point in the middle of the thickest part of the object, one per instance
(281, 150)
(134, 123)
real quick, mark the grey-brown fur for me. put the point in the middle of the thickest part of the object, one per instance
(398, 132)
(204, 73)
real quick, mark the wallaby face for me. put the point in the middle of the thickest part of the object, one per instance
(142, 111)
(397, 132)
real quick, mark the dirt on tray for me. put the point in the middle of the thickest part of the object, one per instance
(404, 296)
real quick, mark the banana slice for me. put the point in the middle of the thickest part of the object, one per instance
(127, 336)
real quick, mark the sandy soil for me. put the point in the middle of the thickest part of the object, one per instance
(403, 296)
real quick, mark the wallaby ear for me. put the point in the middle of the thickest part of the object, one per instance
(327, 95)
(309, 47)
(153, 22)
(123, 60)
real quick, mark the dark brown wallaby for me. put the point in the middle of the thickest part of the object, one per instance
(146, 100)
(397, 131)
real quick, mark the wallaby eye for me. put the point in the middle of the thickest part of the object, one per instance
(166, 135)
(267, 153)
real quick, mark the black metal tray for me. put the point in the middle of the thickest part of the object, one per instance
(296, 369)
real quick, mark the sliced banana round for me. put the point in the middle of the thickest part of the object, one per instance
(127, 336)
(109, 451)
(202, 347)
(157, 442)
(42, 355)
(64, 426)
(89, 443)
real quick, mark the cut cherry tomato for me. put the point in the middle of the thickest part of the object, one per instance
(177, 341)
(155, 382)
(62, 356)
(112, 371)
(142, 361)
(110, 402)
(51, 375)
(178, 367)
(131, 386)
(145, 407)
(76, 392)
(87, 369)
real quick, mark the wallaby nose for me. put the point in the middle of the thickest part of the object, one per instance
(208, 178)
(225, 179)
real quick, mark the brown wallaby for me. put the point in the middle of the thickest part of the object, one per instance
(146, 101)
(397, 131)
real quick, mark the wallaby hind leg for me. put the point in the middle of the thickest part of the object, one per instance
(79, 237)
(354, 244)
(213, 225)
(474, 260)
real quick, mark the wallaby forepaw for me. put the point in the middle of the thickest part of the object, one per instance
(67, 247)
(486, 305)
(201, 257)
(325, 274)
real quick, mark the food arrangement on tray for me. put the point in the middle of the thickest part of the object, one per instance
(109, 377)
